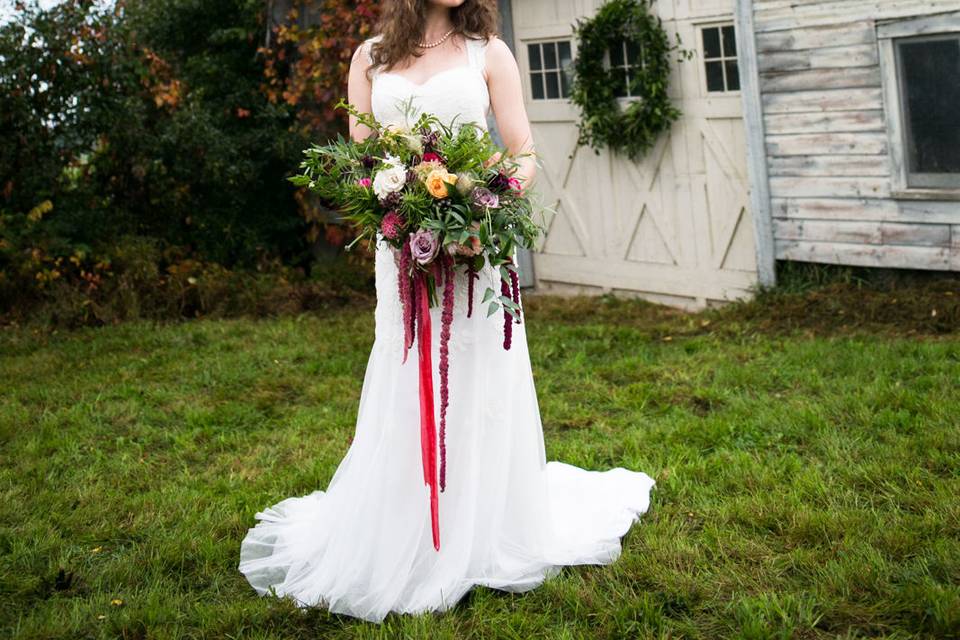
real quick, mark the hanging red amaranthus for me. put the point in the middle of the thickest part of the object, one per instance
(515, 287)
(406, 298)
(507, 320)
(471, 276)
(446, 321)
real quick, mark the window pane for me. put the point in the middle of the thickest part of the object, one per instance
(550, 55)
(564, 51)
(566, 82)
(733, 76)
(714, 76)
(533, 52)
(931, 70)
(633, 52)
(616, 54)
(619, 79)
(711, 42)
(553, 84)
(729, 42)
(536, 85)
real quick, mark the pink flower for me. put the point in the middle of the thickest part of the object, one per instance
(515, 184)
(430, 156)
(364, 182)
(424, 246)
(391, 225)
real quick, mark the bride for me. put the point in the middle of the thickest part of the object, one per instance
(508, 519)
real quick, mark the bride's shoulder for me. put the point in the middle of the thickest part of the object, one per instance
(498, 55)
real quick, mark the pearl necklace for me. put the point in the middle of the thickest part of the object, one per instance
(437, 43)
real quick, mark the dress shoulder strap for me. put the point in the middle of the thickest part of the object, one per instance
(476, 52)
(368, 47)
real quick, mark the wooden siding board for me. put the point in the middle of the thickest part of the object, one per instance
(864, 255)
(794, 144)
(835, 57)
(825, 122)
(820, 79)
(822, 101)
(867, 232)
(822, 15)
(823, 165)
(867, 209)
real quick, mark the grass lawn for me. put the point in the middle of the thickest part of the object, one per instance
(806, 452)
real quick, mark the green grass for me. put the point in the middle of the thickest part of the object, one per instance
(807, 477)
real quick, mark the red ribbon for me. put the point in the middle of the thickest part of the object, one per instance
(428, 428)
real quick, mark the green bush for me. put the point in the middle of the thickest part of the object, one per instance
(146, 120)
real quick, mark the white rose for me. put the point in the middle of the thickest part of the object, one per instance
(392, 160)
(389, 180)
(414, 143)
(399, 129)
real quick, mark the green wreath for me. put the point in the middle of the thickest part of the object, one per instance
(631, 129)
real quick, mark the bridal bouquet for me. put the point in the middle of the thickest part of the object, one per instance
(444, 199)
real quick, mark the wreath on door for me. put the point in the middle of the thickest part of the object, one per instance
(632, 128)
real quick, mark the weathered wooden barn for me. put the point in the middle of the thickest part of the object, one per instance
(814, 130)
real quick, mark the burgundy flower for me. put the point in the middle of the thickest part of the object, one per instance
(499, 182)
(391, 200)
(430, 156)
(368, 161)
(391, 225)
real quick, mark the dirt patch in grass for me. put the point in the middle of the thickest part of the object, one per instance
(841, 302)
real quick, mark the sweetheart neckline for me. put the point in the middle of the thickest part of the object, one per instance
(431, 78)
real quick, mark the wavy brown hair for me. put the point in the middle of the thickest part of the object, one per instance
(401, 26)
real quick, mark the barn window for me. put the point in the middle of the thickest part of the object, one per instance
(929, 95)
(622, 59)
(720, 58)
(920, 59)
(550, 69)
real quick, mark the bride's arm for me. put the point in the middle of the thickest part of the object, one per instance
(358, 91)
(506, 100)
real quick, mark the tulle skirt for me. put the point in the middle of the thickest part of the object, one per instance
(508, 518)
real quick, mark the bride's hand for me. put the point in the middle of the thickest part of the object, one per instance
(492, 160)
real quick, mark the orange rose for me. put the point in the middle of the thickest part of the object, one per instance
(437, 182)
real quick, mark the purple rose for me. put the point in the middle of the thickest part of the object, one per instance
(423, 246)
(483, 197)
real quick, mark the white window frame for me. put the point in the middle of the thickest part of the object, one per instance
(702, 55)
(929, 27)
(559, 70)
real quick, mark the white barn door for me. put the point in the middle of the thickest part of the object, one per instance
(673, 227)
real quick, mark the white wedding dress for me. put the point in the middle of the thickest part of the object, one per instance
(508, 518)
